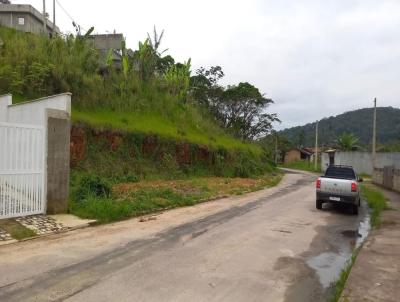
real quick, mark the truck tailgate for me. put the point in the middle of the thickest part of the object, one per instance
(336, 186)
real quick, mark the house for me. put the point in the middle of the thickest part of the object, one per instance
(296, 154)
(104, 43)
(24, 17)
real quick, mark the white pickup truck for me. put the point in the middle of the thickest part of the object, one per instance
(339, 185)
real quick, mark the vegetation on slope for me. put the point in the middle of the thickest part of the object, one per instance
(183, 128)
(149, 92)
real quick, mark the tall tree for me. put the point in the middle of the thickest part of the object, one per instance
(242, 110)
(204, 86)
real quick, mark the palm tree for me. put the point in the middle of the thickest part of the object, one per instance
(347, 142)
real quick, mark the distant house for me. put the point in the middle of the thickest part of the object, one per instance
(104, 43)
(296, 154)
(24, 17)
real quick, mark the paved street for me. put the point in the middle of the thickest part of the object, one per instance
(271, 245)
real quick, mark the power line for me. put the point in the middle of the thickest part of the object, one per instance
(74, 23)
(65, 11)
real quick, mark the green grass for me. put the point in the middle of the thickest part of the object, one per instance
(364, 176)
(16, 230)
(303, 165)
(152, 123)
(344, 275)
(376, 201)
(135, 199)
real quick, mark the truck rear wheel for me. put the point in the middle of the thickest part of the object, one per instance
(354, 209)
(318, 204)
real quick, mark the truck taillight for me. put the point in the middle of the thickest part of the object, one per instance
(353, 187)
(318, 183)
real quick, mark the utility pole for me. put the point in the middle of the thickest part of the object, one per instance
(54, 17)
(44, 17)
(374, 137)
(316, 147)
(276, 148)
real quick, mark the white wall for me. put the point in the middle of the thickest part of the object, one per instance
(32, 112)
(362, 161)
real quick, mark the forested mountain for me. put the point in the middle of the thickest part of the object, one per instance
(357, 122)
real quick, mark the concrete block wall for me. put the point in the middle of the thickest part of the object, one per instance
(362, 161)
(378, 178)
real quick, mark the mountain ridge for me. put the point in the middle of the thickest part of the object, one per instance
(358, 122)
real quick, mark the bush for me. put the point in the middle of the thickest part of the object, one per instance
(128, 177)
(91, 185)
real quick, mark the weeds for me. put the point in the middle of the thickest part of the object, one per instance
(377, 202)
(16, 230)
(134, 199)
(344, 275)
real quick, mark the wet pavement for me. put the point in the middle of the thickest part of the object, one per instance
(346, 237)
(329, 253)
(271, 245)
(375, 275)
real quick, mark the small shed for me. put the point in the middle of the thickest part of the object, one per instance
(296, 154)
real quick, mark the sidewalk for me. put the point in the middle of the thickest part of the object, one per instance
(375, 275)
(40, 225)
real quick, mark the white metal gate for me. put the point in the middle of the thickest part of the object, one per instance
(22, 177)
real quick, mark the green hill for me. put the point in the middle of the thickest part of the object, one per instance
(358, 122)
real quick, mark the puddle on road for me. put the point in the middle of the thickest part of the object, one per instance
(329, 265)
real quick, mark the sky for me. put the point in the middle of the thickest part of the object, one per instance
(314, 58)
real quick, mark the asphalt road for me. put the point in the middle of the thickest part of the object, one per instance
(271, 245)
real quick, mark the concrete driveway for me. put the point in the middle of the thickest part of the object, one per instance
(271, 245)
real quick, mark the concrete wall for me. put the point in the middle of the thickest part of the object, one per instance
(362, 161)
(53, 113)
(378, 177)
(32, 112)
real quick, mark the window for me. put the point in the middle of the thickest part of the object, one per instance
(21, 21)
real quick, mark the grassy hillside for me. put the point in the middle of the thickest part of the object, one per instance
(131, 99)
(358, 122)
(181, 129)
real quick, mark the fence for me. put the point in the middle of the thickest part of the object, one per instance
(362, 161)
(388, 177)
(22, 177)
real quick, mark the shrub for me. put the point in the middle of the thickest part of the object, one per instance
(91, 185)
